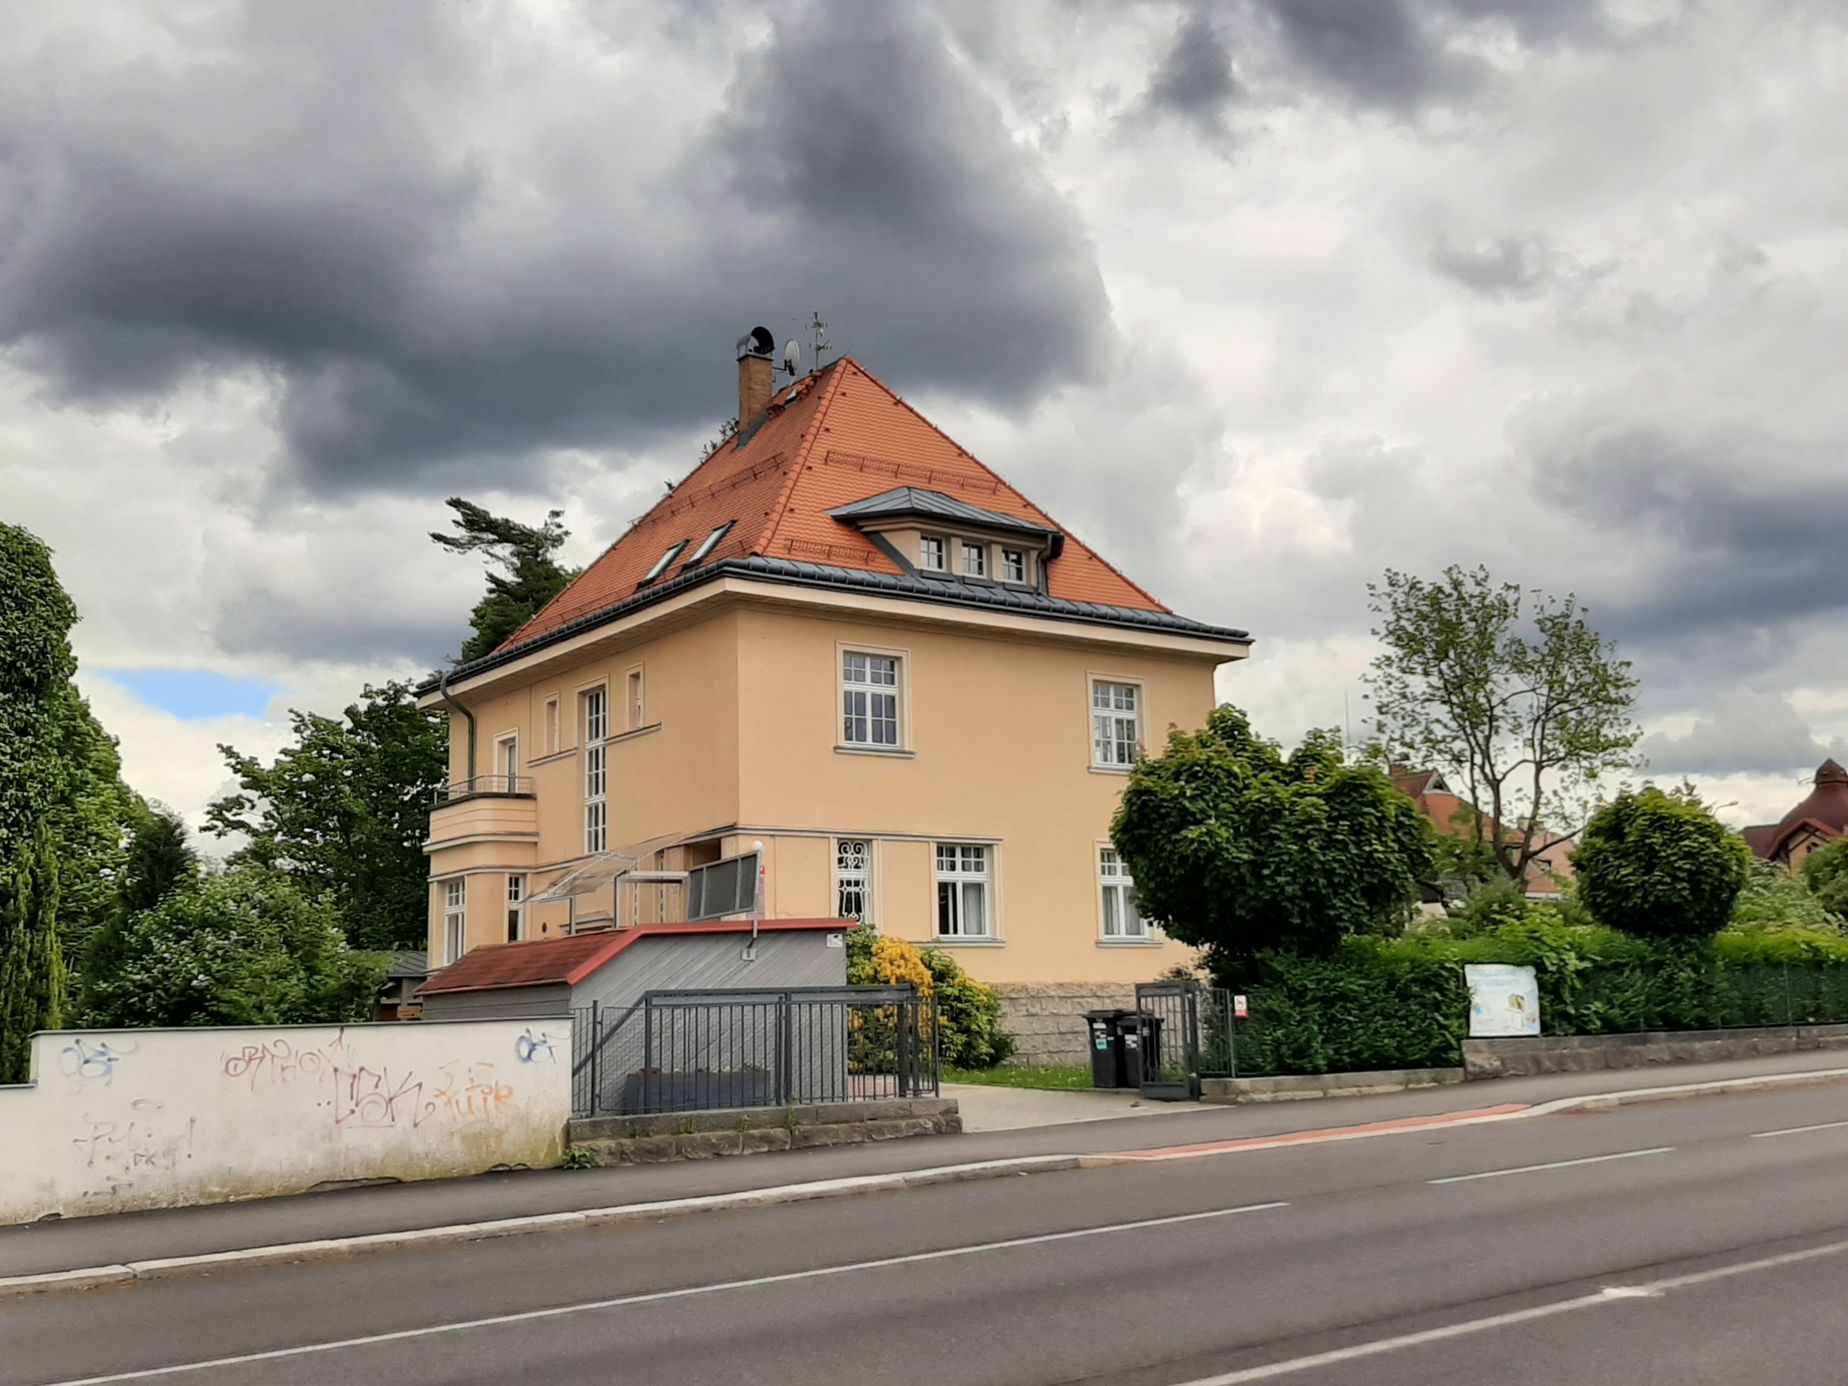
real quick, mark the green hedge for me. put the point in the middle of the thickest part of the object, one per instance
(1401, 1003)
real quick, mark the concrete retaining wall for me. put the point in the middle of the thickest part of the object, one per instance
(123, 1119)
(1520, 1058)
(1046, 1019)
(1292, 1087)
(646, 1140)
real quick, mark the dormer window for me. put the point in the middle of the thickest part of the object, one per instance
(663, 562)
(931, 556)
(709, 543)
(975, 560)
(1013, 565)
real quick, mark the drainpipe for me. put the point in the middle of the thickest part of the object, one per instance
(442, 691)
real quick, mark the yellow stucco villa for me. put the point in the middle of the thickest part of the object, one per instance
(842, 669)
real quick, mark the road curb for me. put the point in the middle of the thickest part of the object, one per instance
(96, 1277)
(92, 1277)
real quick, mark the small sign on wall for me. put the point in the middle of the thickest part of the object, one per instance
(837, 940)
(1503, 1000)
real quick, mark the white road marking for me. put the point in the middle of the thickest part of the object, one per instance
(1614, 1294)
(1800, 1130)
(1553, 1164)
(660, 1296)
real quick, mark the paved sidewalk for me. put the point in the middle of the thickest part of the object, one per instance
(990, 1107)
(62, 1245)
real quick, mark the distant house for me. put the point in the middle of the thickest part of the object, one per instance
(1454, 816)
(398, 1000)
(1817, 821)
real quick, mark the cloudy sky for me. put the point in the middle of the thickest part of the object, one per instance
(1259, 296)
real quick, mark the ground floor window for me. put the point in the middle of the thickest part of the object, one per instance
(853, 878)
(963, 891)
(1120, 917)
(455, 918)
(516, 906)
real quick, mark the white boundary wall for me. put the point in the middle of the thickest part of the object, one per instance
(121, 1119)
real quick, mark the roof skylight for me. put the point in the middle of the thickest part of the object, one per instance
(661, 563)
(709, 543)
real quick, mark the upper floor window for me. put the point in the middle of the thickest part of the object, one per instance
(869, 699)
(1013, 565)
(596, 708)
(663, 562)
(636, 709)
(853, 878)
(962, 891)
(455, 918)
(975, 560)
(709, 543)
(507, 762)
(931, 555)
(552, 728)
(1120, 918)
(1116, 724)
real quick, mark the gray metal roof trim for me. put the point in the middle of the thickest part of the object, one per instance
(944, 591)
(917, 500)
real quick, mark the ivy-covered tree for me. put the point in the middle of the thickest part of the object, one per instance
(35, 668)
(93, 820)
(242, 947)
(1523, 706)
(1239, 849)
(523, 572)
(344, 811)
(1660, 865)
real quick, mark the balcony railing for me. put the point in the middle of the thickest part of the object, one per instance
(518, 785)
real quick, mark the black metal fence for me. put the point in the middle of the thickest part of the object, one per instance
(1185, 1035)
(688, 1051)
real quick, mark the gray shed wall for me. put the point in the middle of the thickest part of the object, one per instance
(501, 1003)
(798, 958)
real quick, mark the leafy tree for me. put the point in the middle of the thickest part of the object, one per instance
(1511, 694)
(1826, 872)
(243, 947)
(1240, 849)
(158, 861)
(528, 575)
(1658, 865)
(344, 812)
(32, 976)
(93, 819)
(35, 668)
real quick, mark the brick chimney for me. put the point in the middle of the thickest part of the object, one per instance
(755, 370)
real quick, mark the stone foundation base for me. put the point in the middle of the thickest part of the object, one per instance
(648, 1140)
(1046, 1019)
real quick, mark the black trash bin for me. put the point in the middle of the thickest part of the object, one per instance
(1108, 1069)
(1141, 1046)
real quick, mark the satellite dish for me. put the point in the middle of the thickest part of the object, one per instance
(792, 357)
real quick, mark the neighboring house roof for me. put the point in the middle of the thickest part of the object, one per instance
(408, 962)
(1824, 811)
(1451, 815)
(836, 440)
(569, 960)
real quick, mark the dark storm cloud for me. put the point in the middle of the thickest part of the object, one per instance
(308, 190)
(1740, 532)
(1194, 81)
(1749, 732)
(1383, 53)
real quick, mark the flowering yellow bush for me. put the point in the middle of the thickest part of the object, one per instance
(896, 962)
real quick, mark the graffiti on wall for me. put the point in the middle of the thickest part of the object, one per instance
(93, 1060)
(531, 1049)
(274, 1062)
(114, 1151)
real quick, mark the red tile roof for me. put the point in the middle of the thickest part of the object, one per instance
(1825, 810)
(568, 961)
(837, 436)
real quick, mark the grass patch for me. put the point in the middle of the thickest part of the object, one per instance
(1057, 1077)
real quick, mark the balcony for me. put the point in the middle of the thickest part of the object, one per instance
(487, 808)
(505, 786)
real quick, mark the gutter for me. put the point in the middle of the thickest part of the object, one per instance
(442, 691)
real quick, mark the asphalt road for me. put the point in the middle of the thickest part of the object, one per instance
(1679, 1242)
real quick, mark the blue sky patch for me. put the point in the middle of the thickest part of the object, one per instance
(194, 694)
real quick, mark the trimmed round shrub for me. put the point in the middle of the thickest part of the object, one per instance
(1656, 866)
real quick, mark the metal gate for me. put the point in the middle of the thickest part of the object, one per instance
(1185, 1035)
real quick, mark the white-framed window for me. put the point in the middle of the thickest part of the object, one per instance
(1013, 565)
(663, 562)
(552, 727)
(709, 543)
(455, 918)
(869, 699)
(853, 878)
(596, 727)
(963, 891)
(1116, 724)
(516, 907)
(1119, 917)
(637, 710)
(931, 555)
(507, 761)
(975, 559)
